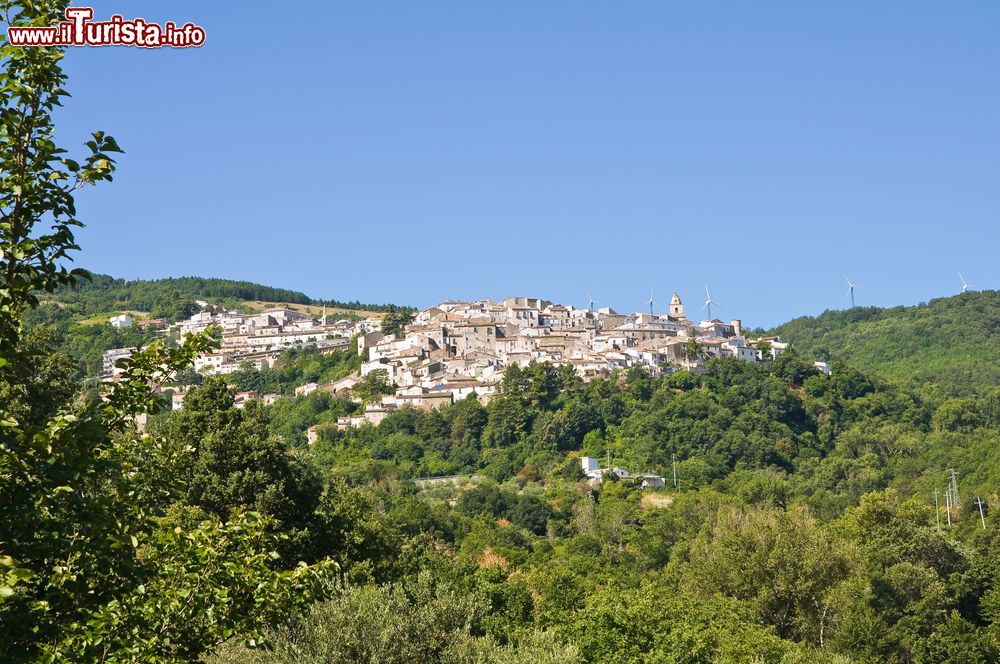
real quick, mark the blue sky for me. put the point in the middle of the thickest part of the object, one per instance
(413, 152)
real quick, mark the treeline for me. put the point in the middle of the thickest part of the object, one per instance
(168, 297)
(954, 341)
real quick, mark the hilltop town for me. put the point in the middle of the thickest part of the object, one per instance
(456, 349)
(459, 348)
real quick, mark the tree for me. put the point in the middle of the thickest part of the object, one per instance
(40, 381)
(89, 568)
(373, 385)
(692, 349)
(780, 563)
(395, 320)
(238, 465)
(37, 181)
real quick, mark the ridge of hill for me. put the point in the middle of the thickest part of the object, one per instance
(953, 341)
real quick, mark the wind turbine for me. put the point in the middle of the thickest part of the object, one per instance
(850, 289)
(650, 302)
(591, 302)
(965, 286)
(708, 303)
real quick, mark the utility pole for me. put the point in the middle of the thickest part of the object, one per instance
(979, 502)
(937, 510)
(947, 502)
(955, 500)
(673, 461)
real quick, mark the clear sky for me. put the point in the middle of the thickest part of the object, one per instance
(411, 152)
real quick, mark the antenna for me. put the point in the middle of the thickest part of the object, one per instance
(979, 502)
(850, 289)
(708, 303)
(965, 286)
(650, 302)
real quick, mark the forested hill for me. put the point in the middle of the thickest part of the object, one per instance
(161, 296)
(954, 341)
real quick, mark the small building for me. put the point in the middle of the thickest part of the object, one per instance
(240, 399)
(122, 321)
(652, 482)
(308, 388)
(112, 356)
(373, 414)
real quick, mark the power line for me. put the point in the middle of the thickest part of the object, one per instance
(979, 502)
(937, 510)
(954, 488)
(947, 502)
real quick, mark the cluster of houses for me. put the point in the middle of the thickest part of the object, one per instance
(459, 348)
(257, 339)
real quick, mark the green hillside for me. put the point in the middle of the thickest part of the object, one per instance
(164, 297)
(954, 341)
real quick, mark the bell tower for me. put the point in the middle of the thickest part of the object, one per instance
(676, 307)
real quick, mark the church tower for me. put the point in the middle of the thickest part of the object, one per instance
(676, 308)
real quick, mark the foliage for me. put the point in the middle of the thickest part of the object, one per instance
(373, 385)
(90, 570)
(294, 367)
(952, 340)
(395, 320)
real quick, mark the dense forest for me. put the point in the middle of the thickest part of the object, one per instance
(802, 526)
(805, 517)
(954, 341)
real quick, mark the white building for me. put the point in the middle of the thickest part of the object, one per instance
(112, 356)
(122, 321)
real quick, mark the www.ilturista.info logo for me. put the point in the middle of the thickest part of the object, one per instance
(80, 30)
